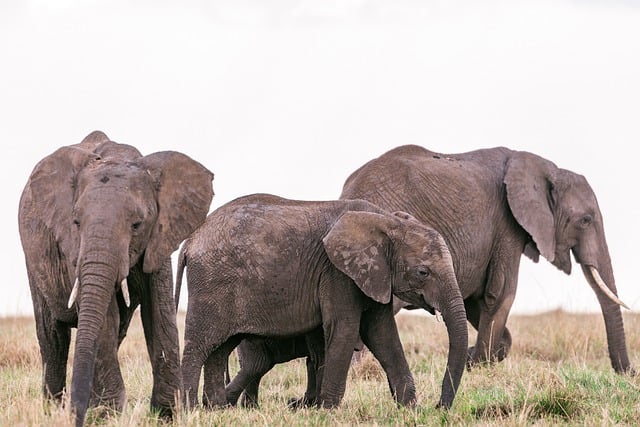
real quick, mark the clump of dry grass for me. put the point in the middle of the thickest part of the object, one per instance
(558, 372)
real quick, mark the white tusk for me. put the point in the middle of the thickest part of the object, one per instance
(74, 293)
(124, 287)
(438, 316)
(604, 288)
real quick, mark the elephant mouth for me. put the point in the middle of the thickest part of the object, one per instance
(417, 302)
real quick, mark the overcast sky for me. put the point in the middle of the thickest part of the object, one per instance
(290, 96)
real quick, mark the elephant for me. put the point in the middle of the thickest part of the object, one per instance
(262, 266)
(258, 356)
(491, 206)
(98, 223)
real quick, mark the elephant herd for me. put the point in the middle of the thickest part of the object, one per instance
(280, 278)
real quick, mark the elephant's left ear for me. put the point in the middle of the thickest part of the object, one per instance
(357, 245)
(185, 192)
(528, 180)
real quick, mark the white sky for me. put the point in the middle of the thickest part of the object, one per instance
(290, 96)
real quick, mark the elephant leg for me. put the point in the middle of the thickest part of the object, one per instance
(108, 385)
(379, 332)
(213, 393)
(158, 315)
(315, 366)
(54, 338)
(493, 342)
(340, 337)
(255, 362)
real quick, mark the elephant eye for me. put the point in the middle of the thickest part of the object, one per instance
(423, 272)
(585, 221)
(136, 225)
(76, 222)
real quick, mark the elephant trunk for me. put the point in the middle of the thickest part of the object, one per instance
(612, 316)
(455, 319)
(97, 278)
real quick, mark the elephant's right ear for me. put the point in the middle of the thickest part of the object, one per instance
(528, 180)
(49, 195)
(358, 245)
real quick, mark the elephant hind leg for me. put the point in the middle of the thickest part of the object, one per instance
(213, 393)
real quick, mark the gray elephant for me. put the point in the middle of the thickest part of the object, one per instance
(257, 356)
(98, 223)
(491, 206)
(266, 267)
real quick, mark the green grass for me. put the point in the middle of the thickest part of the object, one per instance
(558, 373)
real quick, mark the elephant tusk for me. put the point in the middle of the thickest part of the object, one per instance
(438, 316)
(604, 288)
(124, 287)
(74, 293)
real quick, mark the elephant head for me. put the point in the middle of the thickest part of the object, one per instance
(395, 254)
(110, 208)
(560, 212)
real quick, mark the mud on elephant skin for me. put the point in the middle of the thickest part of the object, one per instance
(262, 266)
(98, 222)
(491, 206)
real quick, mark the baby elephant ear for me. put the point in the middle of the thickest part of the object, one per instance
(358, 245)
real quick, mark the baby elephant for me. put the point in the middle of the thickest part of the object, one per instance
(266, 267)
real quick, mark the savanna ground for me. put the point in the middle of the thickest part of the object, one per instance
(558, 373)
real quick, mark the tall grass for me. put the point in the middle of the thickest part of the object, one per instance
(558, 373)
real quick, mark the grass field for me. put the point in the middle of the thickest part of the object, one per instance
(558, 373)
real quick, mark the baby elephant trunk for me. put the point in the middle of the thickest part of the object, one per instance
(455, 319)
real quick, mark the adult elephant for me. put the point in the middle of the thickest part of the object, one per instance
(491, 206)
(266, 267)
(98, 223)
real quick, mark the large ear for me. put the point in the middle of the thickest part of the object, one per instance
(358, 245)
(51, 190)
(528, 180)
(184, 197)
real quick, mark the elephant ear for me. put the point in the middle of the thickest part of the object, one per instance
(528, 180)
(358, 245)
(184, 196)
(51, 191)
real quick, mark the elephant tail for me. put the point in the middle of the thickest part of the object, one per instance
(182, 263)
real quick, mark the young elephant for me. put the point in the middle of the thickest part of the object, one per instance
(263, 266)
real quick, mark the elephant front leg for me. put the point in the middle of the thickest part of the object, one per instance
(161, 334)
(340, 339)
(493, 341)
(54, 338)
(379, 332)
(108, 386)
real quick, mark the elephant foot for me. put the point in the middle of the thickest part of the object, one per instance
(248, 402)
(474, 359)
(163, 411)
(302, 402)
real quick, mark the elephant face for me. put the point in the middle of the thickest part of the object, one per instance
(130, 195)
(88, 214)
(389, 254)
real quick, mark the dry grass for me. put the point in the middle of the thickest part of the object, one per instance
(558, 373)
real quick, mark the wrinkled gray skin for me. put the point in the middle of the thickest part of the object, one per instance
(491, 206)
(267, 267)
(101, 212)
